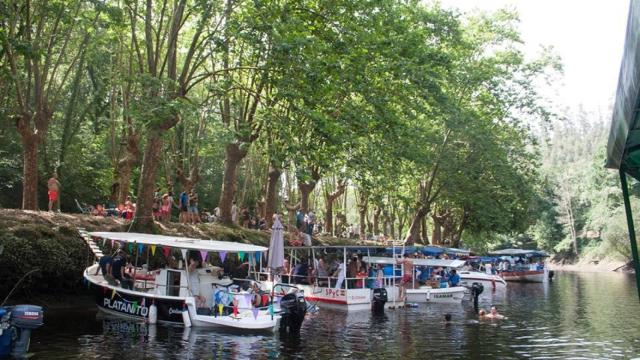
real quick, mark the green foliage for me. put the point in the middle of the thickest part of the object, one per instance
(59, 253)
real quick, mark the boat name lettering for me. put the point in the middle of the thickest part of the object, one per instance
(173, 311)
(126, 307)
(335, 292)
(442, 295)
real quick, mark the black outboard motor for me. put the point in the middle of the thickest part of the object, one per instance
(16, 323)
(294, 309)
(551, 275)
(379, 299)
(476, 290)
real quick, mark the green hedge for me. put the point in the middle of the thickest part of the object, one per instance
(59, 253)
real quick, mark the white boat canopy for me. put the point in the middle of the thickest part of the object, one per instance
(416, 262)
(519, 252)
(179, 242)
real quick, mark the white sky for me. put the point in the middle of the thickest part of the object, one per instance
(588, 35)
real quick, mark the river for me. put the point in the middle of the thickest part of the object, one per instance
(579, 316)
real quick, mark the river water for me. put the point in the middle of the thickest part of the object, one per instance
(579, 316)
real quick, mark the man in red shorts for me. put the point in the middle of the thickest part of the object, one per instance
(407, 277)
(54, 192)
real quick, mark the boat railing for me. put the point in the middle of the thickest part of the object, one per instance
(226, 302)
(368, 282)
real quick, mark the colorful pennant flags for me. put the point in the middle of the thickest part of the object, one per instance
(223, 255)
(153, 250)
(166, 251)
(204, 254)
(241, 255)
(255, 313)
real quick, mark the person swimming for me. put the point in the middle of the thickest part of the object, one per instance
(493, 314)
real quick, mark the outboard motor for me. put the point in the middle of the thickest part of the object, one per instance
(379, 299)
(16, 323)
(476, 290)
(551, 275)
(294, 309)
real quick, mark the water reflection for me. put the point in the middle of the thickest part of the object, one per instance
(579, 315)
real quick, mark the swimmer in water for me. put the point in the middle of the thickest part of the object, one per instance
(493, 314)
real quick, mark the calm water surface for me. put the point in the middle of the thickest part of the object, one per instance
(578, 316)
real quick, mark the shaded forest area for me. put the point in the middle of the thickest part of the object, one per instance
(383, 117)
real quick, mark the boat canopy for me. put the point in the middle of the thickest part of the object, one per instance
(416, 262)
(519, 252)
(179, 242)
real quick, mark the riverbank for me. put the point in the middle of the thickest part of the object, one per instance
(587, 265)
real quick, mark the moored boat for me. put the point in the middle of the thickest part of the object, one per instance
(178, 296)
(427, 293)
(522, 265)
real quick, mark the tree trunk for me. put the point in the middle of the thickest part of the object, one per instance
(30, 173)
(425, 234)
(413, 234)
(143, 219)
(376, 218)
(273, 176)
(329, 200)
(233, 156)
(436, 235)
(305, 191)
(363, 205)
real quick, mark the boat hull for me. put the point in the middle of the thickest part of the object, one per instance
(491, 283)
(537, 276)
(345, 299)
(451, 295)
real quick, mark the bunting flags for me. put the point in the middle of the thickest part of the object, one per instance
(112, 243)
(258, 256)
(247, 299)
(143, 303)
(104, 241)
(113, 293)
(241, 255)
(278, 299)
(166, 251)
(184, 255)
(204, 254)
(140, 248)
(223, 255)
(271, 309)
(135, 306)
(153, 250)
(255, 313)
(130, 247)
(235, 310)
(220, 308)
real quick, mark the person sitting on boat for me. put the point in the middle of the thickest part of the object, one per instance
(454, 278)
(260, 297)
(194, 282)
(300, 272)
(321, 273)
(118, 266)
(104, 265)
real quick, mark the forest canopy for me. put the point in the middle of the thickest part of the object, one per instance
(383, 117)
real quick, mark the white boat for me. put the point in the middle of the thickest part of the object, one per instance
(340, 292)
(166, 295)
(531, 268)
(490, 282)
(422, 294)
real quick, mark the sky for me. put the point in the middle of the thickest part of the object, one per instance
(588, 35)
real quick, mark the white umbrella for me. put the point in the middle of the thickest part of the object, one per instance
(276, 246)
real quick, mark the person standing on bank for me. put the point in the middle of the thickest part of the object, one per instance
(54, 192)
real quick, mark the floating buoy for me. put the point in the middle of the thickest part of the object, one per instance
(153, 313)
(185, 317)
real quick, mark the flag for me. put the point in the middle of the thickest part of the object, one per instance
(204, 254)
(113, 293)
(140, 248)
(130, 247)
(241, 256)
(184, 255)
(220, 308)
(255, 313)
(153, 250)
(166, 251)
(223, 254)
